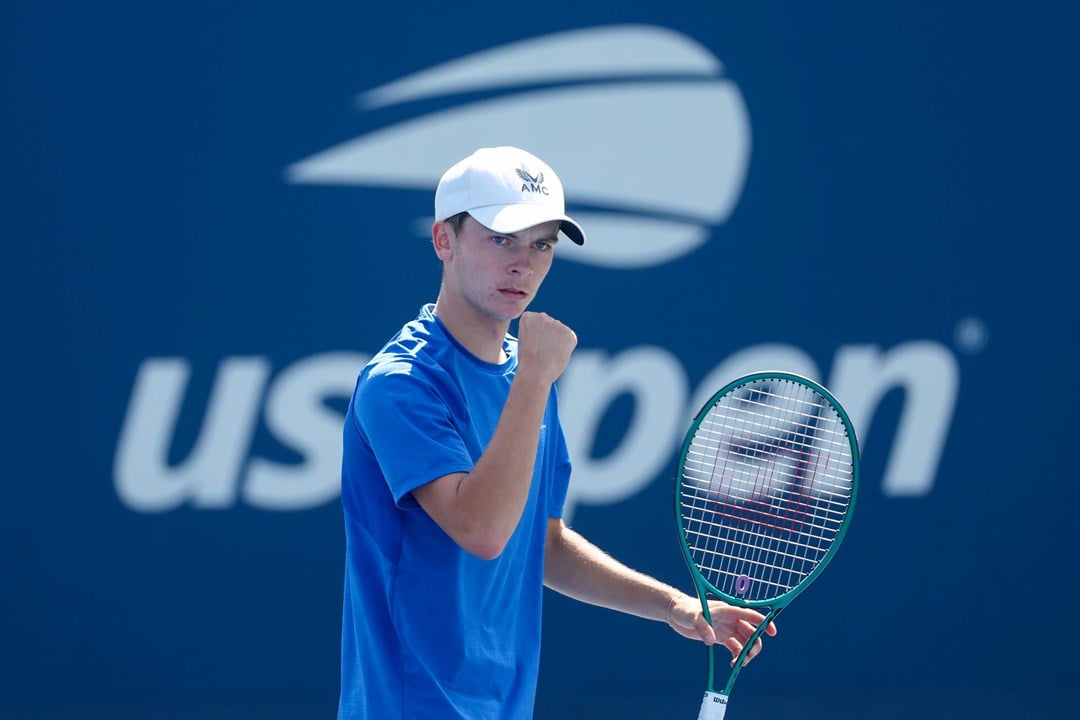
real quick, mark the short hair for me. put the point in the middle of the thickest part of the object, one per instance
(457, 221)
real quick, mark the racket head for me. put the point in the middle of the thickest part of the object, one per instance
(765, 489)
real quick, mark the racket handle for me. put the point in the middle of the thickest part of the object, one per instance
(713, 706)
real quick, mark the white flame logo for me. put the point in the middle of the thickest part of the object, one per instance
(651, 142)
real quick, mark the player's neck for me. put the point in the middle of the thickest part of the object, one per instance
(481, 335)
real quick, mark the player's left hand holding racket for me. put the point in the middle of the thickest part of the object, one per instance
(725, 624)
(764, 494)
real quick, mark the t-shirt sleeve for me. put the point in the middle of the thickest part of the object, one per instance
(559, 457)
(409, 429)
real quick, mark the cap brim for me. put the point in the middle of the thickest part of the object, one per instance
(518, 217)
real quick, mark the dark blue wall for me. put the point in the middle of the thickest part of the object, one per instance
(209, 221)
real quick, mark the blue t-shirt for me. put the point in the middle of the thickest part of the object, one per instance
(429, 630)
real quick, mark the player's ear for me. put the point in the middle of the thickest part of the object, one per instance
(442, 237)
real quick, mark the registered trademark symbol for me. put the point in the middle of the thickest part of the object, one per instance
(971, 335)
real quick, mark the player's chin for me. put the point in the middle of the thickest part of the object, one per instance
(512, 306)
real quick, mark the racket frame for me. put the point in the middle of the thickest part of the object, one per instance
(712, 705)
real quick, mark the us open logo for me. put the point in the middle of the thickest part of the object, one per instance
(651, 141)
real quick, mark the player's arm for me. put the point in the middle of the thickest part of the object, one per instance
(576, 568)
(481, 508)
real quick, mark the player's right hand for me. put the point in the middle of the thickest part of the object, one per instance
(544, 346)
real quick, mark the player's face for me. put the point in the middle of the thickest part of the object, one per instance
(499, 274)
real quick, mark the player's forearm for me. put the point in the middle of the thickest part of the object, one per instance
(482, 508)
(578, 569)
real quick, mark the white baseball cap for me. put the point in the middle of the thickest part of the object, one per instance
(507, 190)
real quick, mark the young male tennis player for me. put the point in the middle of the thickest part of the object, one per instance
(455, 470)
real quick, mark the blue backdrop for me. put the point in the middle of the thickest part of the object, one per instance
(214, 212)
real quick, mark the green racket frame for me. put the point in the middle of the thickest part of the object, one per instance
(776, 604)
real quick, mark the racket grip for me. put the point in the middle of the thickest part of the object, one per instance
(713, 706)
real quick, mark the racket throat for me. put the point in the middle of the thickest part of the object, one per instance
(741, 659)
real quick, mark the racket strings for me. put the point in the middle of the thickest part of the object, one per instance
(765, 488)
(698, 467)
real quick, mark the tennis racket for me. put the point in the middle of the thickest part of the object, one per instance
(765, 492)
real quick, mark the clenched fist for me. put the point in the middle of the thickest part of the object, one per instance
(544, 346)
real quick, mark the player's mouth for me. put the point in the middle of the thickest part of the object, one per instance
(514, 293)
